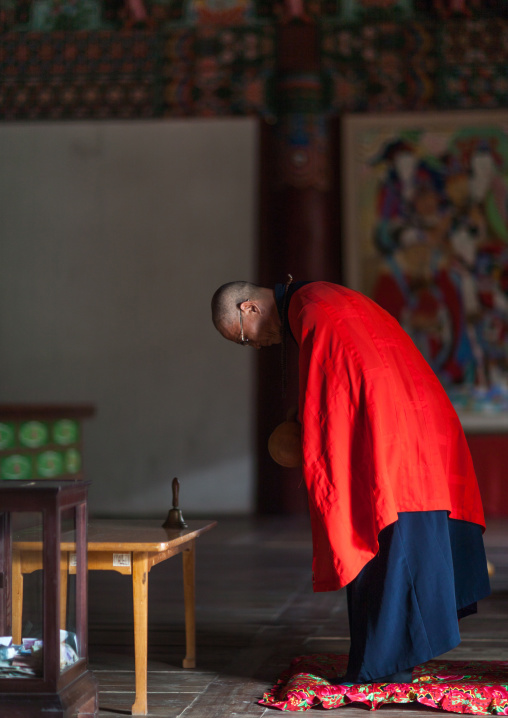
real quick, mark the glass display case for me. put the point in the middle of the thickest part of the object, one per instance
(43, 600)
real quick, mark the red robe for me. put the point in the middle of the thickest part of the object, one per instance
(379, 433)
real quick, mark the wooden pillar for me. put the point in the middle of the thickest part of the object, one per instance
(297, 234)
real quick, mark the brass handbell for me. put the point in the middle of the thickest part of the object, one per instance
(174, 519)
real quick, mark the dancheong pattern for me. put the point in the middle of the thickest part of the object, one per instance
(39, 449)
(100, 59)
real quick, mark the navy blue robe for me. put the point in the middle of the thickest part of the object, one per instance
(405, 604)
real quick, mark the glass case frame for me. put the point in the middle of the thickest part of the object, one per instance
(73, 691)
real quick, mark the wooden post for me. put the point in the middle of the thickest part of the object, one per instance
(64, 572)
(17, 597)
(296, 234)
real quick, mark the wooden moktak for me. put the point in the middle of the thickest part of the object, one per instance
(285, 442)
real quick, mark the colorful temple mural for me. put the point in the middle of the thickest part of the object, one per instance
(431, 202)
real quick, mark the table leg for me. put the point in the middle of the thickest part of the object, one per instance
(188, 557)
(17, 597)
(64, 562)
(140, 597)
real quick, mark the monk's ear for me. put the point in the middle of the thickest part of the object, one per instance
(250, 307)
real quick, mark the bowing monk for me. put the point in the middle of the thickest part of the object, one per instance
(395, 509)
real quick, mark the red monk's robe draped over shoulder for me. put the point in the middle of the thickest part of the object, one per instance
(378, 430)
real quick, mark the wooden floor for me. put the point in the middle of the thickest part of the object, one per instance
(255, 610)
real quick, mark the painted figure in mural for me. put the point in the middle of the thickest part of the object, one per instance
(395, 509)
(436, 215)
(488, 189)
(479, 231)
(413, 283)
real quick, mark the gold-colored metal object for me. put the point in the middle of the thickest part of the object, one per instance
(174, 519)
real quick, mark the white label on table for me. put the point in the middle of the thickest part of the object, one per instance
(72, 560)
(121, 559)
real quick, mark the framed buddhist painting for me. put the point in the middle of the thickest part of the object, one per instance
(425, 234)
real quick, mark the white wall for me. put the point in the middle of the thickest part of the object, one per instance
(114, 236)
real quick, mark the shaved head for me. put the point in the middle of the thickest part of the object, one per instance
(247, 314)
(227, 299)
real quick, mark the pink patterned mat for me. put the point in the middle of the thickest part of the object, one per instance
(479, 687)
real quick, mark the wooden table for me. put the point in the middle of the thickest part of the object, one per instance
(129, 547)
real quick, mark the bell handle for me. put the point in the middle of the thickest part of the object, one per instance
(176, 490)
